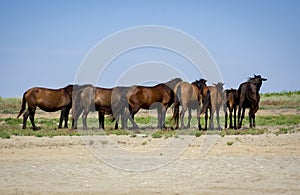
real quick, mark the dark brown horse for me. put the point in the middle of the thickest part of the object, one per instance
(249, 97)
(160, 97)
(49, 100)
(231, 103)
(107, 101)
(189, 96)
(217, 98)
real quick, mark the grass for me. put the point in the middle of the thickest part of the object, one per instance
(10, 105)
(4, 135)
(281, 100)
(277, 120)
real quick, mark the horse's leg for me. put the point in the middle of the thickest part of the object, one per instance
(84, 117)
(176, 116)
(134, 124)
(198, 118)
(184, 108)
(230, 119)
(61, 118)
(25, 117)
(239, 117)
(66, 116)
(234, 115)
(242, 115)
(253, 118)
(31, 117)
(100, 120)
(226, 117)
(159, 117)
(76, 114)
(211, 119)
(218, 118)
(189, 118)
(124, 118)
(117, 122)
(133, 111)
(206, 118)
(163, 117)
(250, 118)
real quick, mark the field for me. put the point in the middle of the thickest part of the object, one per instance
(263, 160)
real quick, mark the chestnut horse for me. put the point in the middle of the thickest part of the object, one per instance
(107, 101)
(217, 99)
(189, 96)
(231, 103)
(160, 97)
(49, 100)
(249, 97)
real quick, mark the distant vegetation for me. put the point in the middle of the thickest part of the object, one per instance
(280, 100)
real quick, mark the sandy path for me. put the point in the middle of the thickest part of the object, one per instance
(264, 164)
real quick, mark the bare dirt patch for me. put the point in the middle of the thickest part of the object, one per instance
(264, 164)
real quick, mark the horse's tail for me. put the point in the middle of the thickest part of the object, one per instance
(206, 102)
(23, 107)
(120, 106)
(177, 98)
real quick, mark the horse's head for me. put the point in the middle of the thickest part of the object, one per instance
(257, 80)
(219, 86)
(200, 83)
(171, 84)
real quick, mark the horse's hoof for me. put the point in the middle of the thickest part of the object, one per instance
(36, 128)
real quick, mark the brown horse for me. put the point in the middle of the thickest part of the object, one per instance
(49, 100)
(107, 101)
(189, 96)
(231, 103)
(217, 98)
(160, 97)
(249, 97)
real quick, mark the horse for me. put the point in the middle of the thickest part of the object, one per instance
(107, 101)
(160, 97)
(248, 94)
(231, 103)
(189, 97)
(49, 100)
(216, 101)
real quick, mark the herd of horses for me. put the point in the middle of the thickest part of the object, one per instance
(124, 102)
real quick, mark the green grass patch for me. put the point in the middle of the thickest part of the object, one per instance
(198, 133)
(4, 135)
(157, 134)
(277, 120)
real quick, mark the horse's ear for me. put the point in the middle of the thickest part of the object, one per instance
(223, 83)
(254, 75)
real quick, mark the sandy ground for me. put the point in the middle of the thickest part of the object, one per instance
(253, 164)
(260, 164)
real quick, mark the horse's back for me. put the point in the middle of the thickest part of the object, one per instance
(248, 94)
(49, 100)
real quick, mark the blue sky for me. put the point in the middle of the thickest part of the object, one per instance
(42, 43)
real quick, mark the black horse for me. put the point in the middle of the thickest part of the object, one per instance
(249, 97)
